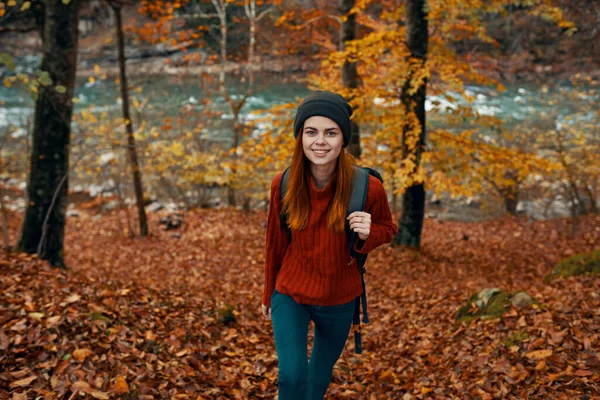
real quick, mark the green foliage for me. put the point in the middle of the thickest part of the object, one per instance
(7, 60)
(44, 78)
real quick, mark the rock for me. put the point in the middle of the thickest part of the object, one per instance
(176, 235)
(524, 207)
(111, 205)
(521, 300)
(154, 207)
(473, 202)
(73, 213)
(491, 303)
(435, 200)
(225, 314)
(172, 207)
(172, 221)
(14, 207)
(213, 203)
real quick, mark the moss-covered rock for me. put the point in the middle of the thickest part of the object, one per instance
(225, 314)
(579, 264)
(514, 339)
(492, 303)
(98, 316)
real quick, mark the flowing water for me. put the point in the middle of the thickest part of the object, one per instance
(183, 95)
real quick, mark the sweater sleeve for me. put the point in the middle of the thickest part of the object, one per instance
(277, 242)
(383, 228)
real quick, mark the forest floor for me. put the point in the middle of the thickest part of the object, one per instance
(142, 317)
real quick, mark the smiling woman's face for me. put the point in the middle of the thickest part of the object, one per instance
(322, 140)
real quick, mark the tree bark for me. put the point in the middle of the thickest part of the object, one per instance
(133, 159)
(49, 164)
(349, 70)
(410, 225)
(511, 200)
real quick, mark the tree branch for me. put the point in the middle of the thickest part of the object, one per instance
(333, 17)
(264, 12)
(198, 15)
(13, 29)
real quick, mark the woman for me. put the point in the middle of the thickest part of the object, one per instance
(310, 275)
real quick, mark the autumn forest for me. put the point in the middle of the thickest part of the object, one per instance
(138, 144)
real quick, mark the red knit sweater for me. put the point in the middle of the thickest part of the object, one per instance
(314, 268)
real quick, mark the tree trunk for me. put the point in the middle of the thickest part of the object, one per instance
(511, 200)
(349, 70)
(592, 197)
(47, 187)
(4, 223)
(413, 207)
(133, 159)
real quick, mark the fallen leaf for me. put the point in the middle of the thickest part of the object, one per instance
(121, 386)
(539, 354)
(81, 354)
(23, 382)
(73, 298)
(385, 374)
(583, 372)
(36, 315)
(3, 341)
(149, 335)
(81, 386)
(540, 366)
(99, 395)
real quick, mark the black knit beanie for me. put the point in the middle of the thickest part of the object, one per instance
(325, 104)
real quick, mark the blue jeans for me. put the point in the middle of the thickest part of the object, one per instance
(300, 379)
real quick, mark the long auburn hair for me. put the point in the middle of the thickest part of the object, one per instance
(296, 202)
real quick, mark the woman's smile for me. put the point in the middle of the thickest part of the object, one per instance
(320, 152)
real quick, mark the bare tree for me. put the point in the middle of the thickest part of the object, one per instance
(131, 148)
(235, 106)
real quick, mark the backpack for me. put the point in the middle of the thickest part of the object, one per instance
(358, 198)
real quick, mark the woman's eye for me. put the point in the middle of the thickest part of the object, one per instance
(310, 133)
(331, 133)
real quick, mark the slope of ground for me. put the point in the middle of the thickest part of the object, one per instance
(137, 318)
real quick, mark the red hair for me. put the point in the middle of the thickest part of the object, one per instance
(296, 203)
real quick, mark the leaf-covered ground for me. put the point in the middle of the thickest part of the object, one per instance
(137, 318)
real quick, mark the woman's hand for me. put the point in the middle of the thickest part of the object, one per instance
(266, 311)
(360, 222)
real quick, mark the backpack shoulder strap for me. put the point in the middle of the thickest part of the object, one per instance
(358, 198)
(283, 186)
(374, 172)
